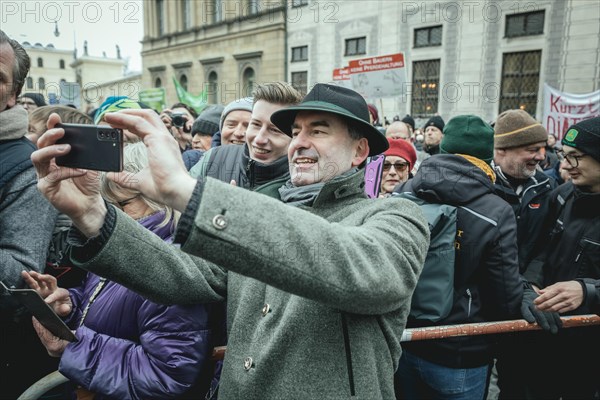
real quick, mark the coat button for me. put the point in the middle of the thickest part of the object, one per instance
(248, 363)
(265, 310)
(219, 222)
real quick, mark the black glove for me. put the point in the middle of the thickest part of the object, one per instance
(549, 321)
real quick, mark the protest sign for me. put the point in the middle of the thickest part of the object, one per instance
(562, 110)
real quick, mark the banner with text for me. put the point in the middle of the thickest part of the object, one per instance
(562, 110)
(341, 77)
(378, 77)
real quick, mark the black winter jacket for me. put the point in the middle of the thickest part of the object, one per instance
(572, 250)
(486, 268)
(530, 207)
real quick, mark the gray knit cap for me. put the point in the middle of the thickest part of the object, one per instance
(208, 121)
(244, 104)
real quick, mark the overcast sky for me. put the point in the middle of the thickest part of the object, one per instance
(103, 23)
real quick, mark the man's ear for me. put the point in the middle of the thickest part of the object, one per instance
(361, 152)
(11, 101)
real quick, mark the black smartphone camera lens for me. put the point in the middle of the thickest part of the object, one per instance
(101, 134)
(113, 134)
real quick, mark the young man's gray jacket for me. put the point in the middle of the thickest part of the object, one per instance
(317, 296)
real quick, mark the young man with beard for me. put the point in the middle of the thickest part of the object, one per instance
(318, 283)
(263, 158)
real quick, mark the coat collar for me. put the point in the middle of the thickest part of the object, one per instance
(350, 186)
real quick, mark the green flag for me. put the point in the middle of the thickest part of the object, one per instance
(196, 102)
(155, 98)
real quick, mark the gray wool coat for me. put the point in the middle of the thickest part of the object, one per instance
(317, 296)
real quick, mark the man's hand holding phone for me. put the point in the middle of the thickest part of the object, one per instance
(166, 179)
(74, 192)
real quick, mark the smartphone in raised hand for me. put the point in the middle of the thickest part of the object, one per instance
(94, 147)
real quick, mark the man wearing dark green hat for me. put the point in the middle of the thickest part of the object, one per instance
(566, 274)
(318, 283)
(486, 272)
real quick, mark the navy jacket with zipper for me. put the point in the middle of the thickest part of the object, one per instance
(530, 207)
(486, 270)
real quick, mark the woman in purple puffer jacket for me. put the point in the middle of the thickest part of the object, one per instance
(129, 347)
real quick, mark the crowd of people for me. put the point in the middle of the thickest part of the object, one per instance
(247, 225)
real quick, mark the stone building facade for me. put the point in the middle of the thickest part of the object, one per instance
(222, 46)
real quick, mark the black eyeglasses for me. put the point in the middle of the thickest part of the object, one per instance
(398, 166)
(572, 159)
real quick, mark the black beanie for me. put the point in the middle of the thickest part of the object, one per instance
(410, 121)
(208, 121)
(37, 98)
(436, 121)
(585, 136)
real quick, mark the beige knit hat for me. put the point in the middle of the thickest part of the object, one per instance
(516, 128)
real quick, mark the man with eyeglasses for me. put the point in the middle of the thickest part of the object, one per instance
(399, 161)
(519, 142)
(567, 273)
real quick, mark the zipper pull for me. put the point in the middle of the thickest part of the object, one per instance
(578, 255)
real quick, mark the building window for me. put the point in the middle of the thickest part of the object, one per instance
(29, 82)
(218, 11)
(524, 24)
(300, 81)
(425, 37)
(40, 62)
(186, 14)
(160, 16)
(356, 46)
(157, 83)
(248, 79)
(426, 88)
(213, 87)
(183, 81)
(520, 81)
(41, 84)
(299, 3)
(61, 64)
(252, 7)
(299, 53)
